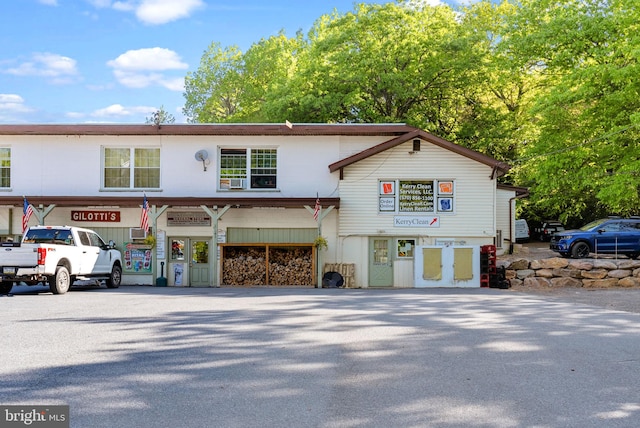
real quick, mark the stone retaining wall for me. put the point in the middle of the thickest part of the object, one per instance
(559, 272)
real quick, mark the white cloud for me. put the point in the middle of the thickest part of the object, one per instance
(114, 112)
(156, 12)
(175, 84)
(144, 67)
(49, 2)
(149, 59)
(118, 110)
(13, 109)
(153, 12)
(57, 68)
(13, 103)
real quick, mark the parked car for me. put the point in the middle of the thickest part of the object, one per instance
(547, 230)
(523, 233)
(604, 236)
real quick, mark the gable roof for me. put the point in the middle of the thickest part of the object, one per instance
(499, 168)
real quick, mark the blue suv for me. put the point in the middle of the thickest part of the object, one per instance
(604, 236)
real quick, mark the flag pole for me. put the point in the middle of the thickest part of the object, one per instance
(317, 214)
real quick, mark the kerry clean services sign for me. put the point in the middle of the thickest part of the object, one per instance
(419, 221)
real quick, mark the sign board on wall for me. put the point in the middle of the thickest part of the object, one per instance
(188, 218)
(415, 196)
(96, 215)
(137, 258)
(413, 221)
(161, 236)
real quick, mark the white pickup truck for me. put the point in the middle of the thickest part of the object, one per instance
(59, 255)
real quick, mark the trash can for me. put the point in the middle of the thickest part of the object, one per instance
(332, 280)
(161, 281)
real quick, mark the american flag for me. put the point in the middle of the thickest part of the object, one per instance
(316, 210)
(26, 214)
(144, 215)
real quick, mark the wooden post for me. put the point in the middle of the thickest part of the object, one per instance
(215, 217)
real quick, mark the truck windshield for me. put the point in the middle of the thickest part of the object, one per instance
(48, 236)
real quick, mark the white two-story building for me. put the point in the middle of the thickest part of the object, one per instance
(238, 204)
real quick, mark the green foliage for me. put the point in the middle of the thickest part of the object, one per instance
(586, 153)
(212, 92)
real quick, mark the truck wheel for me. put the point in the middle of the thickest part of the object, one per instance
(5, 288)
(116, 276)
(61, 281)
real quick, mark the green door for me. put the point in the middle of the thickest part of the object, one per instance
(199, 266)
(380, 262)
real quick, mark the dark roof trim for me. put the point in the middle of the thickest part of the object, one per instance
(209, 129)
(128, 201)
(521, 192)
(499, 166)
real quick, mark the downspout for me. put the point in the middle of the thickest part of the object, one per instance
(512, 220)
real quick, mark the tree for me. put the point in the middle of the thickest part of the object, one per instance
(231, 86)
(160, 116)
(212, 92)
(380, 63)
(585, 160)
(502, 87)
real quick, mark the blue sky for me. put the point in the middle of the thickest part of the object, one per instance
(117, 61)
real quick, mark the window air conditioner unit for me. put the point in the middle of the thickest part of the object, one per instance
(137, 233)
(236, 183)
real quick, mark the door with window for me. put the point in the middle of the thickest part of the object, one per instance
(199, 266)
(380, 262)
(189, 264)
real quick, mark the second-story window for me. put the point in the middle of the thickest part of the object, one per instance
(5, 167)
(248, 169)
(131, 168)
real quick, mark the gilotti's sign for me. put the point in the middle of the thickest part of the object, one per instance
(105, 216)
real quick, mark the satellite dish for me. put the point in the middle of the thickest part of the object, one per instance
(202, 156)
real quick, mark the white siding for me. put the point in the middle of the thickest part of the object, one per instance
(72, 165)
(474, 193)
(505, 215)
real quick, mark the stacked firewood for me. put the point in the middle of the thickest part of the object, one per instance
(248, 266)
(290, 266)
(244, 266)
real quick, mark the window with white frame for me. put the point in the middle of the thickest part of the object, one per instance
(5, 167)
(248, 168)
(131, 168)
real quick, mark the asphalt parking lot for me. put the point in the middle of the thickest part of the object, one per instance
(301, 357)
